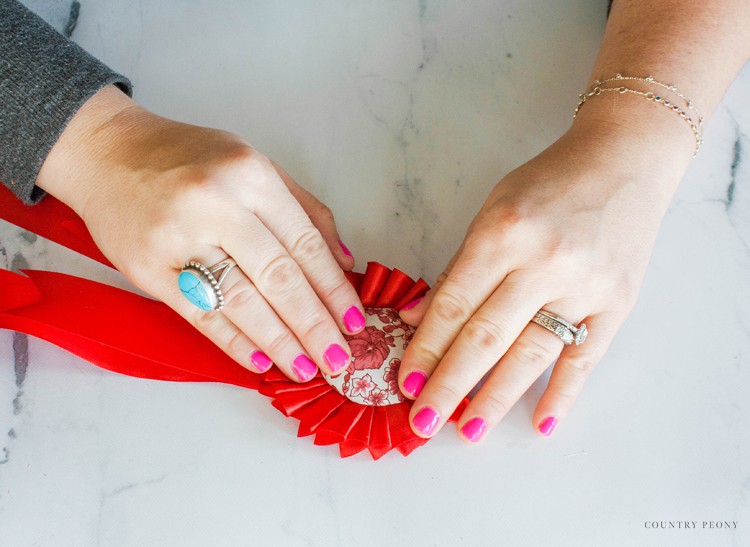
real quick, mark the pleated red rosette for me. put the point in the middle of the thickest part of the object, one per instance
(335, 419)
(130, 334)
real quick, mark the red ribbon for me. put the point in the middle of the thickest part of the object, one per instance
(134, 335)
(53, 220)
(114, 329)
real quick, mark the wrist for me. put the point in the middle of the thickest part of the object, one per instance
(616, 156)
(637, 132)
(70, 171)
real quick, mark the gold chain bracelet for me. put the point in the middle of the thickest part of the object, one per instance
(650, 80)
(696, 128)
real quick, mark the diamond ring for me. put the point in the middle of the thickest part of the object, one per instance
(202, 285)
(568, 333)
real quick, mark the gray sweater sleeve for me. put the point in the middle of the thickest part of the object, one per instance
(44, 79)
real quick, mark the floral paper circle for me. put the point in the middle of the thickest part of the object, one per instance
(372, 376)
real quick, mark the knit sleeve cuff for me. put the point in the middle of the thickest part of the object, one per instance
(44, 80)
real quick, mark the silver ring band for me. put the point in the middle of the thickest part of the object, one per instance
(202, 285)
(567, 331)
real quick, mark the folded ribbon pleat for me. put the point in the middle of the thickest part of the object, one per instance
(372, 283)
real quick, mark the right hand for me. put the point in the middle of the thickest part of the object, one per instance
(156, 193)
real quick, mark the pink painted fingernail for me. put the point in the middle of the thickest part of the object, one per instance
(303, 367)
(474, 429)
(411, 304)
(346, 250)
(260, 361)
(548, 425)
(336, 357)
(354, 321)
(414, 383)
(425, 420)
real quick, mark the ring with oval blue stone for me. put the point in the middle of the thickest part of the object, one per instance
(202, 285)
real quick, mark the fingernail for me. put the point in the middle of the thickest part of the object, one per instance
(336, 357)
(354, 321)
(260, 361)
(303, 367)
(548, 425)
(414, 383)
(411, 304)
(346, 250)
(474, 429)
(425, 420)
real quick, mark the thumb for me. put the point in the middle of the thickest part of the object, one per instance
(321, 217)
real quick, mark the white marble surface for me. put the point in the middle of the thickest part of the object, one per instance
(401, 116)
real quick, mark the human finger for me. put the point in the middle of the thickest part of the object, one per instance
(486, 337)
(572, 370)
(322, 218)
(214, 326)
(530, 355)
(281, 282)
(463, 291)
(246, 310)
(287, 221)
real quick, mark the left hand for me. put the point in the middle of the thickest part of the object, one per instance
(570, 232)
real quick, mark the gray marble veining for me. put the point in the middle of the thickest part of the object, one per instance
(401, 116)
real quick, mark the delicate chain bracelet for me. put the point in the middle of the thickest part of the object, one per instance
(650, 80)
(597, 89)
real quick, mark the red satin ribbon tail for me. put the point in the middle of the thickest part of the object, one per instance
(17, 291)
(52, 220)
(96, 322)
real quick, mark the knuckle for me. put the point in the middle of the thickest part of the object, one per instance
(207, 322)
(582, 365)
(235, 153)
(446, 392)
(535, 354)
(260, 172)
(564, 398)
(564, 259)
(338, 297)
(238, 347)
(316, 326)
(441, 278)
(423, 353)
(341, 291)
(200, 185)
(240, 296)
(281, 343)
(504, 218)
(231, 158)
(450, 307)
(308, 244)
(243, 154)
(511, 216)
(324, 213)
(497, 403)
(484, 334)
(280, 274)
(501, 208)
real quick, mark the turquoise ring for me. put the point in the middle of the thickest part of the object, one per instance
(202, 285)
